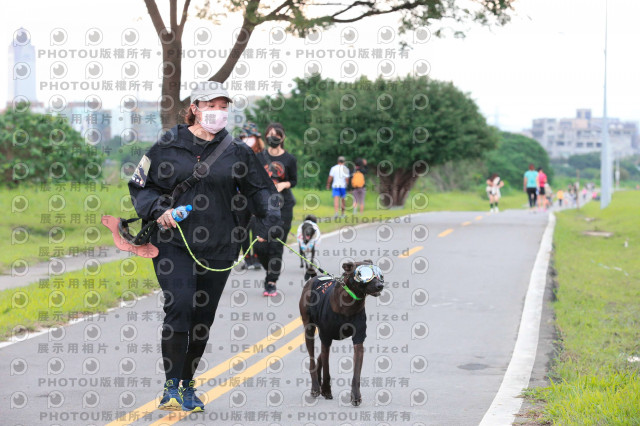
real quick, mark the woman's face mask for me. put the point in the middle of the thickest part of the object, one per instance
(274, 141)
(251, 141)
(214, 120)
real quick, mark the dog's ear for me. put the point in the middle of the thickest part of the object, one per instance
(348, 267)
(367, 262)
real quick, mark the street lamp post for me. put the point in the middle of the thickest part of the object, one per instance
(606, 168)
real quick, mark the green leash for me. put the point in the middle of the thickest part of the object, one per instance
(351, 293)
(206, 267)
(347, 289)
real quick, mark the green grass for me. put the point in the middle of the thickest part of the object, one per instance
(73, 295)
(597, 317)
(57, 219)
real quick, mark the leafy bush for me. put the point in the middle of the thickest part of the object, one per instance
(37, 148)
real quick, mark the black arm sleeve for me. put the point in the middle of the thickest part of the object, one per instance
(149, 199)
(255, 184)
(293, 172)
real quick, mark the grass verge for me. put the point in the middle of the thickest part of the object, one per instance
(595, 377)
(73, 295)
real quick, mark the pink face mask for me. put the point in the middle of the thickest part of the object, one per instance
(251, 141)
(214, 121)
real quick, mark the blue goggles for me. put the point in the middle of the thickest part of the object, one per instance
(365, 273)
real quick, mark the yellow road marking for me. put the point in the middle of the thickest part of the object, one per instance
(466, 223)
(445, 232)
(150, 406)
(409, 252)
(478, 217)
(236, 380)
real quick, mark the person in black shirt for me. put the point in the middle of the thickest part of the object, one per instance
(252, 137)
(191, 293)
(282, 167)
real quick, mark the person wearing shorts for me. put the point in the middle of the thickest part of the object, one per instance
(542, 182)
(337, 181)
(359, 189)
(530, 186)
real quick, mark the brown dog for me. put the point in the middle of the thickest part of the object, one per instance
(336, 307)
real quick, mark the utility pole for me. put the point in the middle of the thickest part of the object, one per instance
(605, 156)
(577, 189)
(618, 171)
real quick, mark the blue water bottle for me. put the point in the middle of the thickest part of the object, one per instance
(180, 213)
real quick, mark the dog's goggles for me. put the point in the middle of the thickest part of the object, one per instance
(365, 273)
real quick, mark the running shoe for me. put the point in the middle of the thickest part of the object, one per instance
(171, 398)
(190, 401)
(270, 290)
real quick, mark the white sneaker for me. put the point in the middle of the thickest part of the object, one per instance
(497, 209)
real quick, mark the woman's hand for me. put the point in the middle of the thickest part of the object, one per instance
(260, 239)
(166, 220)
(281, 185)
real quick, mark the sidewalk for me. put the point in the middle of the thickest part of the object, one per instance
(58, 266)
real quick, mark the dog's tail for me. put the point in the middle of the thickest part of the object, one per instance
(311, 218)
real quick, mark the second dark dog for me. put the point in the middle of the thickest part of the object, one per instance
(335, 306)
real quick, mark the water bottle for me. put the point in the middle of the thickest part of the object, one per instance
(180, 213)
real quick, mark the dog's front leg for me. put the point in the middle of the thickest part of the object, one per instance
(301, 256)
(326, 377)
(358, 354)
(309, 336)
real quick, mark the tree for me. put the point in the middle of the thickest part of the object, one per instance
(39, 148)
(300, 16)
(585, 161)
(400, 126)
(513, 156)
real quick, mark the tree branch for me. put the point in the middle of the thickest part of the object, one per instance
(354, 4)
(183, 20)
(405, 6)
(238, 48)
(154, 13)
(271, 16)
(173, 14)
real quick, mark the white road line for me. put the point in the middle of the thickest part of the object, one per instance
(507, 401)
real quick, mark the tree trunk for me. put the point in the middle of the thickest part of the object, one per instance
(171, 105)
(395, 188)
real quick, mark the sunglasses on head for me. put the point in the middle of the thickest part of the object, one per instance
(365, 273)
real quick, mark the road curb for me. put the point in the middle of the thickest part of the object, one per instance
(508, 400)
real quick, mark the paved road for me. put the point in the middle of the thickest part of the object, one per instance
(23, 274)
(439, 339)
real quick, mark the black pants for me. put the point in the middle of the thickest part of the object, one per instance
(533, 196)
(270, 252)
(191, 296)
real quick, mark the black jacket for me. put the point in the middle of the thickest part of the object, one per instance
(212, 228)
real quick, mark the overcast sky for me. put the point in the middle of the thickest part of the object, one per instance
(546, 63)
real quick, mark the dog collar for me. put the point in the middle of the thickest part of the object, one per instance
(351, 293)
